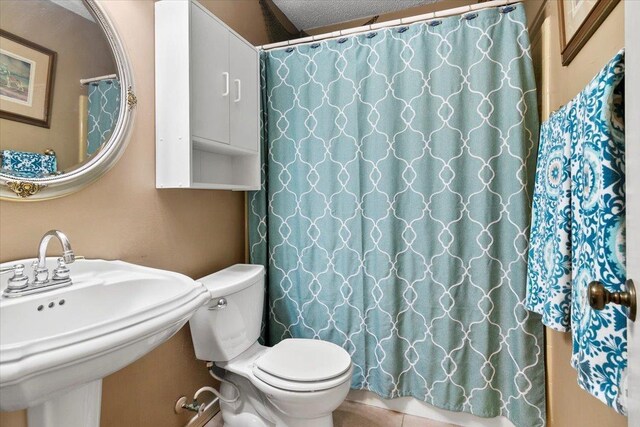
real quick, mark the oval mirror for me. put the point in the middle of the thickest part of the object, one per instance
(66, 97)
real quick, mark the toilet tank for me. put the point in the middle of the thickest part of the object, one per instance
(230, 322)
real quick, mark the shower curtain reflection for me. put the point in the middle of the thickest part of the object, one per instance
(102, 115)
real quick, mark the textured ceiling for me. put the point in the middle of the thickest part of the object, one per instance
(309, 14)
(75, 6)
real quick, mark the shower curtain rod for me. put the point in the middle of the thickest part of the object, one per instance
(393, 23)
(97, 79)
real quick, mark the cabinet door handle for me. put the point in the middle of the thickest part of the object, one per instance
(239, 89)
(226, 84)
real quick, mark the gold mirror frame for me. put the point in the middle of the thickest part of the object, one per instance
(14, 188)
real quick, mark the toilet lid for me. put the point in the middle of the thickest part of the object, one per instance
(304, 360)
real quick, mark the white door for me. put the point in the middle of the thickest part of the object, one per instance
(632, 147)
(245, 101)
(210, 79)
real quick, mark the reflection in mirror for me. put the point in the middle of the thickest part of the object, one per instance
(59, 89)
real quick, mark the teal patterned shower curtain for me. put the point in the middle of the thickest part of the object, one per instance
(394, 217)
(104, 107)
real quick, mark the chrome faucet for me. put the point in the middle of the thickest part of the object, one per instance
(40, 272)
(19, 284)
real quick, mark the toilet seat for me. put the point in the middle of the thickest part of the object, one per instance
(303, 365)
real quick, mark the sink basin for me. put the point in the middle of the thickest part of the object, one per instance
(56, 346)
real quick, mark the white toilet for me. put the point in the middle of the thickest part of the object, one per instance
(297, 382)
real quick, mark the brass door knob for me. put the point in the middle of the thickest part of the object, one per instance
(599, 297)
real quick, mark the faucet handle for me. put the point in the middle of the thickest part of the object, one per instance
(11, 269)
(61, 272)
(19, 280)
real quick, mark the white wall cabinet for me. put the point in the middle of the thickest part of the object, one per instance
(207, 101)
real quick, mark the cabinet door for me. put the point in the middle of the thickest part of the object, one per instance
(245, 100)
(210, 79)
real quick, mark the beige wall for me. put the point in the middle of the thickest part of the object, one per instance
(568, 404)
(123, 216)
(82, 52)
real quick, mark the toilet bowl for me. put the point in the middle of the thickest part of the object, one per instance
(297, 382)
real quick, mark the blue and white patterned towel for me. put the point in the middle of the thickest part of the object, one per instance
(578, 231)
(598, 234)
(28, 164)
(549, 267)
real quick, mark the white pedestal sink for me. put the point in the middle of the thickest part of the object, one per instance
(76, 408)
(56, 346)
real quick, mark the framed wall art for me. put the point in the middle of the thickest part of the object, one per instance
(579, 19)
(26, 80)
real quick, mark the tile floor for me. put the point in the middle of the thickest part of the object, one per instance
(351, 414)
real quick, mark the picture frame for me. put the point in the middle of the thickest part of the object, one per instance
(578, 21)
(27, 72)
